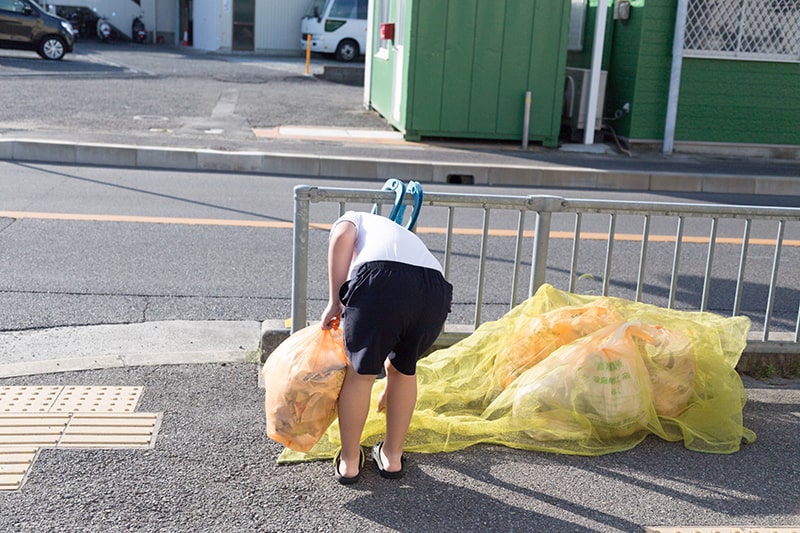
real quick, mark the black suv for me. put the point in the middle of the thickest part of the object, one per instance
(26, 26)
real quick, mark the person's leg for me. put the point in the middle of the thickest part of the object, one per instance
(401, 397)
(382, 395)
(353, 410)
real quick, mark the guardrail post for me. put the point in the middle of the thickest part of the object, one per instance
(300, 257)
(544, 207)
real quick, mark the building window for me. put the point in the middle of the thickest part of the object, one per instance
(400, 23)
(383, 17)
(761, 30)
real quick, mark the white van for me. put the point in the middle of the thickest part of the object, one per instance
(336, 27)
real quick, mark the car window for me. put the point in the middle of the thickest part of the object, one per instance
(344, 9)
(12, 5)
(362, 8)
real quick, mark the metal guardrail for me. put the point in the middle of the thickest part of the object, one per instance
(743, 233)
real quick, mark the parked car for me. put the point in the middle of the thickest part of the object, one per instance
(337, 27)
(26, 26)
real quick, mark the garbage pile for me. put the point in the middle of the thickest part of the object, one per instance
(575, 374)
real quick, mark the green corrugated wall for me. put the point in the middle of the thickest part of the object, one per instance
(739, 101)
(471, 61)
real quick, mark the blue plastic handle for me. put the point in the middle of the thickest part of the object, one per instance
(416, 190)
(399, 188)
(398, 209)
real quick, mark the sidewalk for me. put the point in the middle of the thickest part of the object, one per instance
(353, 153)
(187, 452)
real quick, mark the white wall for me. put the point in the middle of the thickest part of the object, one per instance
(278, 25)
(160, 16)
(206, 28)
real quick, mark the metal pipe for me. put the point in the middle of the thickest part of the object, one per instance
(482, 267)
(300, 258)
(642, 258)
(609, 249)
(573, 267)
(676, 258)
(675, 77)
(712, 238)
(308, 54)
(597, 66)
(517, 257)
(773, 281)
(541, 241)
(526, 120)
(737, 299)
(448, 242)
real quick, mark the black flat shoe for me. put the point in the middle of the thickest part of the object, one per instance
(376, 456)
(343, 479)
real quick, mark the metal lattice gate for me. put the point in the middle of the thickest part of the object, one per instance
(766, 30)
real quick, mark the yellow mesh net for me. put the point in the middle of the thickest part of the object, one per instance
(575, 374)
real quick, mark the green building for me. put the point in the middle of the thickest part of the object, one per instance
(463, 68)
(739, 76)
(460, 68)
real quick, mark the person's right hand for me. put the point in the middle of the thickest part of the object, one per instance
(331, 316)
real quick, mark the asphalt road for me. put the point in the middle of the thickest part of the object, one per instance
(147, 91)
(215, 246)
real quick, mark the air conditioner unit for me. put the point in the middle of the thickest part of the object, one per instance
(576, 98)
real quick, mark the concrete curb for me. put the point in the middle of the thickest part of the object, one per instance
(533, 174)
(67, 349)
(116, 361)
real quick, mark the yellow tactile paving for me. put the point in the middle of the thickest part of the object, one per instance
(32, 418)
(27, 399)
(29, 429)
(14, 464)
(96, 399)
(110, 431)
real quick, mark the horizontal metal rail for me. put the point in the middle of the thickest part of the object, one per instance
(608, 215)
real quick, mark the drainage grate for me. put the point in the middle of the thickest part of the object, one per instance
(32, 418)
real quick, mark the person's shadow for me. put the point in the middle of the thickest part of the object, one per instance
(458, 492)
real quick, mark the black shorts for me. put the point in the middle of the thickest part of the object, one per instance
(392, 310)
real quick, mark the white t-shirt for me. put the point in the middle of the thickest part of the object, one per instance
(381, 239)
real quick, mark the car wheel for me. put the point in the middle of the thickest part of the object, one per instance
(52, 47)
(347, 50)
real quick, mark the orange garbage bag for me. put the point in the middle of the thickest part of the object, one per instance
(669, 357)
(534, 340)
(606, 386)
(302, 380)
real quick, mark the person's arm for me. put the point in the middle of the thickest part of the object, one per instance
(340, 253)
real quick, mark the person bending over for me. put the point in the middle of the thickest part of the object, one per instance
(392, 298)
